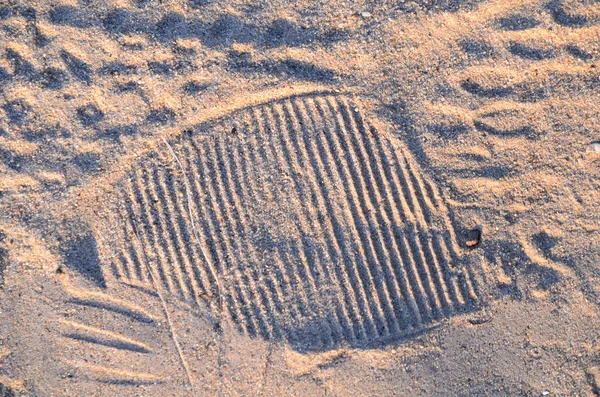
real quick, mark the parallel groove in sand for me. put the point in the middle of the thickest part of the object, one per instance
(262, 312)
(362, 262)
(360, 211)
(236, 201)
(264, 120)
(376, 195)
(354, 325)
(213, 228)
(283, 131)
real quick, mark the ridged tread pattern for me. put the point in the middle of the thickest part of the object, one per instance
(322, 231)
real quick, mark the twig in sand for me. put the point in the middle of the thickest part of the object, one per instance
(167, 315)
(210, 264)
(263, 383)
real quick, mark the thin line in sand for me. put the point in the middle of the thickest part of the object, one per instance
(167, 315)
(210, 264)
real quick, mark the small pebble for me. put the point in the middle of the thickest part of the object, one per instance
(545, 393)
(594, 147)
(365, 14)
(473, 238)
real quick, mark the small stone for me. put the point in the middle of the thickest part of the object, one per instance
(594, 147)
(365, 14)
(545, 393)
(473, 238)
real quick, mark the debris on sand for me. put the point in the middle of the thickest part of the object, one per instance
(473, 238)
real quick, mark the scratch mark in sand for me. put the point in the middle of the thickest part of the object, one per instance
(210, 264)
(167, 315)
(263, 383)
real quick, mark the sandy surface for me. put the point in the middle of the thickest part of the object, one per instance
(391, 198)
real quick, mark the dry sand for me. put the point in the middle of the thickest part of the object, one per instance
(390, 198)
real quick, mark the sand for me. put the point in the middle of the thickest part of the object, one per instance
(276, 198)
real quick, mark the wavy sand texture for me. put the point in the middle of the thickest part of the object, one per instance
(265, 198)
